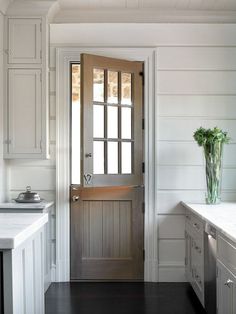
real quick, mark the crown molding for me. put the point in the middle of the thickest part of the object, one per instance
(143, 16)
(4, 5)
(33, 8)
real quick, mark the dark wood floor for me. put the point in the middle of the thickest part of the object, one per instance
(122, 298)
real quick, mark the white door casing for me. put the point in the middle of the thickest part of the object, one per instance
(64, 56)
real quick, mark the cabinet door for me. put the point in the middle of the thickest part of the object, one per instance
(188, 271)
(24, 43)
(226, 290)
(24, 112)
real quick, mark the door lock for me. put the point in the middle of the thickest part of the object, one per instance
(88, 155)
(75, 198)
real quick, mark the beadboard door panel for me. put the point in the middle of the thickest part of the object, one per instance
(107, 234)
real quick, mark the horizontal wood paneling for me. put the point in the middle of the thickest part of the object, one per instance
(196, 58)
(171, 226)
(191, 177)
(168, 202)
(196, 82)
(171, 252)
(39, 178)
(182, 129)
(219, 106)
(188, 153)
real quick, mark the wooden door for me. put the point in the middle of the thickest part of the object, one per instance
(107, 208)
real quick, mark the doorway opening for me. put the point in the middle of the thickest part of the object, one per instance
(107, 186)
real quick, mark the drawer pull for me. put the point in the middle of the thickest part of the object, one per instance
(228, 283)
(195, 225)
(197, 248)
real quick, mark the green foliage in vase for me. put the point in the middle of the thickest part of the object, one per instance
(212, 141)
(210, 136)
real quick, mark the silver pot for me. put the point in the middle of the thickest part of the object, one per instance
(28, 197)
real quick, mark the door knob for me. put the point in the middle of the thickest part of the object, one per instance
(88, 155)
(75, 198)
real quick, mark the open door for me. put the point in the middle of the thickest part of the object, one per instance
(107, 208)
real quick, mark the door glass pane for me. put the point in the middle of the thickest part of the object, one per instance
(126, 123)
(98, 85)
(126, 158)
(98, 157)
(75, 123)
(126, 89)
(98, 121)
(112, 160)
(112, 122)
(112, 88)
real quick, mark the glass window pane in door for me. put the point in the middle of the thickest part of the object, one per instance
(112, 122)
(75, 124)
(126, 158)
(98, 121)
(126, 89)
(126, 123)
(112, 88)
(98, 85)
(98, 157)
(112, 158)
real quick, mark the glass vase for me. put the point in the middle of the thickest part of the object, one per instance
(213, 156)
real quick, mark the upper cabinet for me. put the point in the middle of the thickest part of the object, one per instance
(26, 90)
(24, 40)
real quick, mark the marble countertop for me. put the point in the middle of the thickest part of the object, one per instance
(222, 216)
(15, 228)
(14, 205)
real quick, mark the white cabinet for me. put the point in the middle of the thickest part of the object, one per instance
(194, 258)
(24, 112)
(226, 290)
(226, 276)
(24, 40)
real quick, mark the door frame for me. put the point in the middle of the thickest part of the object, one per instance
(64, 56)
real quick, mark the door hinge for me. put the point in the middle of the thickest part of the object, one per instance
(40, 77)
(143, 123)
(143, 208)
(143, 167)
(40, 27)
(142, 74)
(40, 54)
(185, 261)
(143, 254)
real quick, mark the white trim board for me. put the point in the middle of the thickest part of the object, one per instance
(63, 58)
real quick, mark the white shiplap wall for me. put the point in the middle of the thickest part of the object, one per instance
(196, 72)
(2, 164)
(196, 87)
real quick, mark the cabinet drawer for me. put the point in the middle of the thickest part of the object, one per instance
(194, 224)
(226, 253)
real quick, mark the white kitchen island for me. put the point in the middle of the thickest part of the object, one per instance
(22, 262)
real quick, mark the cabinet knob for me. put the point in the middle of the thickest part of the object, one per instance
(228, 283)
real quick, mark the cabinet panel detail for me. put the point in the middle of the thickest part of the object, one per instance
(24, 112)
(24, 43)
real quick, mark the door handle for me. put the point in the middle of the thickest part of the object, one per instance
(228, 283)
(75, 198)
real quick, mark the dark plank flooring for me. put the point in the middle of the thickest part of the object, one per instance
(122, 298)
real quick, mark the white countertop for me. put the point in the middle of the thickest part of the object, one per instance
(14, 205)
(15, 228)
(222, 216)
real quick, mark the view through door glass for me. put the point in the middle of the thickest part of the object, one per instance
(106, 169)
